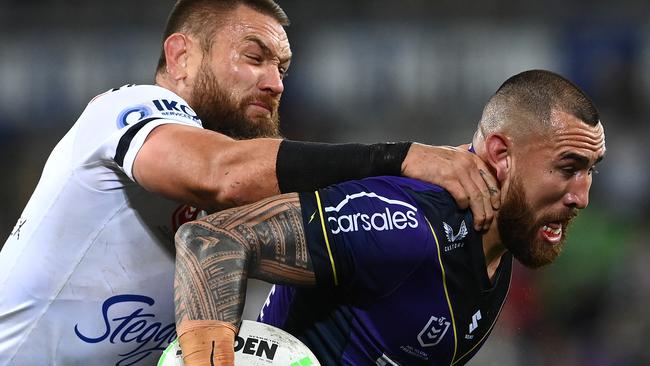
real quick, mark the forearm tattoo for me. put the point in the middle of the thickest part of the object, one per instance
(216, 255)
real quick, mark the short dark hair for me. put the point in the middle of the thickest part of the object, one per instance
(536, 93)
(202, 18)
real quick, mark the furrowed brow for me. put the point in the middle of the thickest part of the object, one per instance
(580, 159)
(266, 50)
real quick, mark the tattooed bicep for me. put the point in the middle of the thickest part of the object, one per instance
(218, 253)
(274, 236)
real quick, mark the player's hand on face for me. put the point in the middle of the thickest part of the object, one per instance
(463, 174)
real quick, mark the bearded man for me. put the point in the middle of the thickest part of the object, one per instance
(387, 270)
(86, 277)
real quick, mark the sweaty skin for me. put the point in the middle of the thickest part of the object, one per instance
(557, 170)
(249, 58)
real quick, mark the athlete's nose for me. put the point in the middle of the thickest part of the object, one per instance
(577, 194)
(271, 80)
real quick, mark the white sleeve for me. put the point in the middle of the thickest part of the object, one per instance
(116, 124)
(130, 143)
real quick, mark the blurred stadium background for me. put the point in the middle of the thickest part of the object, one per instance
(395, 70)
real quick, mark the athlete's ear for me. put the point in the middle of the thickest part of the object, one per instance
(176, 55)
(499, 155)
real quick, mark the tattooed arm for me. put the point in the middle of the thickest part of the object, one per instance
(214, 258)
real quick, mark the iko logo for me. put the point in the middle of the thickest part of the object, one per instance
(135, 328)
(165, 107)
(474, 324)
(433, 332)
(400, 217)
(449, 232)
(174, 108)
(132, 115)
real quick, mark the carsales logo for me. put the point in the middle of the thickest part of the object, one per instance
(391, 215)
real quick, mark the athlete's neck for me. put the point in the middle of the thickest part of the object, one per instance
(166, 81)
(492, 249)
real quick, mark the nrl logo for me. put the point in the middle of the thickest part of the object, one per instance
(434, 331)
(449, 232)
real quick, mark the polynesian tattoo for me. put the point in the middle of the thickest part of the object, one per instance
(216, 254)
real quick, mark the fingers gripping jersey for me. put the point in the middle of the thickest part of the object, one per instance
(401, 277)
(86, 276)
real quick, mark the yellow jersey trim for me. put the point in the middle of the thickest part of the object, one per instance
(444, 283)
(327, 242)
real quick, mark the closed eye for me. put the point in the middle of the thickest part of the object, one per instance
(569, 171)
(576, 163)
(255, 58)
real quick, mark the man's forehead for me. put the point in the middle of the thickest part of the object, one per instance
(566, 136)
(246, 24)
(581, 140)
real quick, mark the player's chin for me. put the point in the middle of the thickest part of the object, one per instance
(540, 253)
(267, 128)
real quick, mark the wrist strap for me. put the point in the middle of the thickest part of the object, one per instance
(307, 166)
(207, 342)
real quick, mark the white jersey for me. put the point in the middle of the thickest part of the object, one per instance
(86, 276)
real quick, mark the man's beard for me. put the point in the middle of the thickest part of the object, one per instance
(520, 231)
(220, 113)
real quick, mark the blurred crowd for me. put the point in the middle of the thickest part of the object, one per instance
(395, 70)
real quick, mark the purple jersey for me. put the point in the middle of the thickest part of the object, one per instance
(401, 277)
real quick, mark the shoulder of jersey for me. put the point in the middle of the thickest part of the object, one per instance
(134, 93)
(406, 182)
(134, 103)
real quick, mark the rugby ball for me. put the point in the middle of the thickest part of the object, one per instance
(256, 344)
